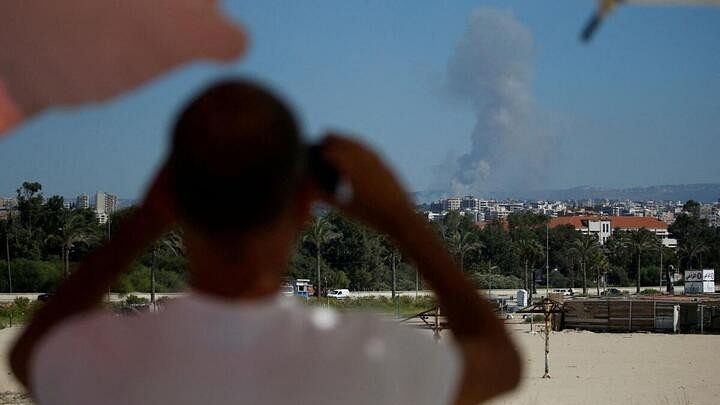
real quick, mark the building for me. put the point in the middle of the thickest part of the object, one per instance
(8, 203)
(470, 203)
(101, 217)
(603, 227)
(105, 203)
(587, 225)
(82, 201)
(451, 204)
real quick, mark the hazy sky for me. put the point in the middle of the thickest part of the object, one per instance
(639, 105)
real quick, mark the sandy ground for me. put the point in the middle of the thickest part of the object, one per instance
(628, 368)
(586, 368)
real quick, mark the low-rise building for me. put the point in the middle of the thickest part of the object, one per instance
(604, 227)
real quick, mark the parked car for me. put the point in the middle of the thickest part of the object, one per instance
(564, 291)
(610, 292)
(340, 294)
(44, 297)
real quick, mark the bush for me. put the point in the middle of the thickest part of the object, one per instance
(536, 318)
(19, 311)
(558, 280)
(650, 291)
(618, 276)
(485, 281)
(33, 276)
(650, 275)
(133, 300)
(407, 305)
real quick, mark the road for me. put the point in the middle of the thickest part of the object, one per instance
(504, 293)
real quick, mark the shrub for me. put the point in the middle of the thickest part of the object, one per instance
(132, 300)
(650, 291)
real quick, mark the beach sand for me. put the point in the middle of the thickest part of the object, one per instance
(586, 368)
(617, 368)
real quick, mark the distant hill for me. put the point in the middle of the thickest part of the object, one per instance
(708, 192)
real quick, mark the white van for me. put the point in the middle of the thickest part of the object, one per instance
(339, 294)
(564, 291)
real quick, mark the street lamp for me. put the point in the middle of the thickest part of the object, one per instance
(490, 269)
(547, 260)
(7, 256)
(661, 268)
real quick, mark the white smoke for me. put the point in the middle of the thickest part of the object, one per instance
(492, 69)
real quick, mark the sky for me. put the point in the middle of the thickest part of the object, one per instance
(637, 106)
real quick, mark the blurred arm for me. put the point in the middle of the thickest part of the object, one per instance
(84, 289)
(491, 362)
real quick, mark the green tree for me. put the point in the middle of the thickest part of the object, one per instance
(599, 266)
(583, 247)
(169, 244)
(463, 242)
(692, 207)
(638, 242)
(690, 249)
(320, 232)
(530, 250)
(30, 201)
(74, 229)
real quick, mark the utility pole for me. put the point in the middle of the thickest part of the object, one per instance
(489, 279)
(417, 284)
(152, 280)
(392, 257)
(546, 308)
(547, 260)
(108, 236)
(661, 267)
(7, 256)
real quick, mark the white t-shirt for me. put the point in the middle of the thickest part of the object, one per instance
(201, 350)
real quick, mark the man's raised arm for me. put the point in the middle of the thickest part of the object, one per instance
(84, 289)
(491, 362)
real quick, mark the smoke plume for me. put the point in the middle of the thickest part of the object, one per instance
(492, 69)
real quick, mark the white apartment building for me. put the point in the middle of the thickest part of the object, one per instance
(82, 201)
(105, 203)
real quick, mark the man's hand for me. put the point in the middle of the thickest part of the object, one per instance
(377, 196)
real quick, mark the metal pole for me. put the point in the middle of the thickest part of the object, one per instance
(702, 318)
(108, 236)
(393, 275)
(661, 267)
(547, 260)
(489, 279)
(546, 308)
(7, 256)
(531, 322)
(417, 285)
(152, 280)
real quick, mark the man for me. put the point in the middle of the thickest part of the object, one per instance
(237, 183)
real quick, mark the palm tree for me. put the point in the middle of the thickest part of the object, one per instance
(599, 264)
(170, 243)
(692, 248)
(638, 242)
(530, 250)
(463, 242)
(74, 229)
(583, 248)
(320, 232)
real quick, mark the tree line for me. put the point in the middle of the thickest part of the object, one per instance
(45, 241)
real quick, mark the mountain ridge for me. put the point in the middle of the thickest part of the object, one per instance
(701, 192)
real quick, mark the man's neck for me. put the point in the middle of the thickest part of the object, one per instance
(246, 277)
